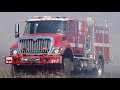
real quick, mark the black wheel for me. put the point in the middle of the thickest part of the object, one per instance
(68, 68)
(78, 66)
(99, 69)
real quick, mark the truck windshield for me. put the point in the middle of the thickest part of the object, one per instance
(52, 26)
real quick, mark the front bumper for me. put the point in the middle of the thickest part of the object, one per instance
(45, 59)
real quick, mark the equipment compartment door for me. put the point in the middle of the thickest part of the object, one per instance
(79, 42)
(102, 42)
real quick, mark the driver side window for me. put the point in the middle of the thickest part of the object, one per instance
(72, 31)
(27, 28)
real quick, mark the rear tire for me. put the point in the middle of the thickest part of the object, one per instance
(99, 69)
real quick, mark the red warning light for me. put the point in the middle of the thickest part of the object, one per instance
(44, 48)
(24, 49)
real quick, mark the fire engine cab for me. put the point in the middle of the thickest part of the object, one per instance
(72, 44)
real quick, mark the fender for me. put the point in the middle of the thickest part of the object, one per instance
(15, 45)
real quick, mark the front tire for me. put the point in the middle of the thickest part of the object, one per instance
(15, 71)
(68, 67)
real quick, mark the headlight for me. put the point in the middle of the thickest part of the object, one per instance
(58, 50)
(14, 52)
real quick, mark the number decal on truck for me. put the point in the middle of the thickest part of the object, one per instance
(54, 61)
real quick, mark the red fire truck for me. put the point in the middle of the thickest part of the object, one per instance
(72, 44)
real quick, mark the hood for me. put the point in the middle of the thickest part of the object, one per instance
(51, 35)
(58, 38)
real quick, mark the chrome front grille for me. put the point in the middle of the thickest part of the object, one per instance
(35, 46)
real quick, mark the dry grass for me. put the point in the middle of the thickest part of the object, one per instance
(36, 73)
(7, 74)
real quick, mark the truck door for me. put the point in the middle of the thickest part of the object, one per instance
(72, 37)
(79, 38)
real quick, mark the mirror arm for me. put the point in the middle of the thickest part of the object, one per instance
(17, 30)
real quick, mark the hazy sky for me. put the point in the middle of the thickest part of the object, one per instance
(8, 20)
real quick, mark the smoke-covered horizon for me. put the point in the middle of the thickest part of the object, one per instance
(8, 20)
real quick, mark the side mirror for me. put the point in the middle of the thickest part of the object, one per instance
(16, 30)
(79, 28)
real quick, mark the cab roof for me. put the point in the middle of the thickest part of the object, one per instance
(41, 18)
